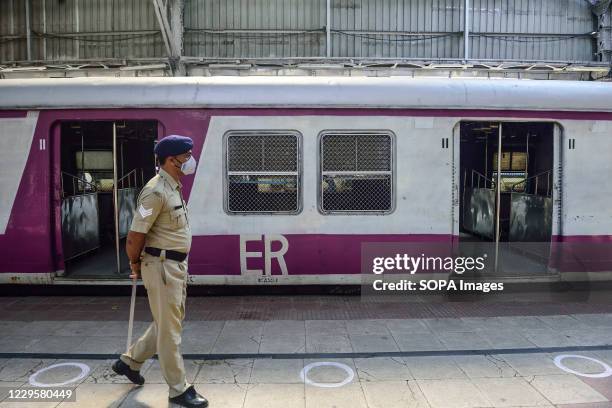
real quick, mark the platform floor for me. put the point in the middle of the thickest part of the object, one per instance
(255, 338)
(502, 380)
(449, 355)
(309, 307)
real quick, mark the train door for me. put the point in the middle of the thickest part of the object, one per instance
(506, 187)
(103, 166)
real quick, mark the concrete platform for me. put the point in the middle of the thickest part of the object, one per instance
(495, 380)
(450, 355)
(257, 338)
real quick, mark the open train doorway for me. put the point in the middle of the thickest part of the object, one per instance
(103, 166)
(506, 193)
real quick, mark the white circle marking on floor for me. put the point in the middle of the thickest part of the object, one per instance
(348, 379)
(606, 373)
(83, 367)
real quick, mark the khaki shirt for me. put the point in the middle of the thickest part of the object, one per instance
(161, 214)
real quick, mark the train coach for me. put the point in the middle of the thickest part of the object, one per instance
(295, 174)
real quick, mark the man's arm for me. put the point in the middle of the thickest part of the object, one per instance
(149, 204)
(133, 246)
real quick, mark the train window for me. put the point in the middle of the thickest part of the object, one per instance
(356, 172)
(263, 172)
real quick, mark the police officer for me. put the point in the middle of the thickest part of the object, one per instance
(157, 245)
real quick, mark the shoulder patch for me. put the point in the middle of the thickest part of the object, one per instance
(144, 212)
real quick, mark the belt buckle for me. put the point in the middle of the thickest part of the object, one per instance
(162, 255)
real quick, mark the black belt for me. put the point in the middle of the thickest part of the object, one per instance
(172, 255)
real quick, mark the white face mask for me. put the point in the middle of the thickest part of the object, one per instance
(189, 167)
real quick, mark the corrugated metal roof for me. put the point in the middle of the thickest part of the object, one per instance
(542, 30)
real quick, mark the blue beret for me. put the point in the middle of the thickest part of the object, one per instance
(173, 145)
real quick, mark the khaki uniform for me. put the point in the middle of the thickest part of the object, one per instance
(161, 214)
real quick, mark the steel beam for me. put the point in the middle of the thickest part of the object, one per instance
(177, 35)
(172, 33)
(77, 43)
(328, 29)
(44, 28)
(28, 30)
(159, 12)
(466, 32)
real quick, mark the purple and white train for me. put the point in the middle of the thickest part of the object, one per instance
(295, 173)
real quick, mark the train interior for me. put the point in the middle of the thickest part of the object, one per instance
(519, 230)
(96, 211)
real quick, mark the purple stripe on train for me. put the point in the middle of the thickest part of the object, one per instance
(13, 114)
(312, 254)
(306, 254)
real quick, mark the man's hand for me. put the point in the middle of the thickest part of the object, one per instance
(135, 268)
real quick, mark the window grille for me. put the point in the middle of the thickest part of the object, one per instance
(262, 172)
(356, 172)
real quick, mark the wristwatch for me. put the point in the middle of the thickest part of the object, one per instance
(135, 263)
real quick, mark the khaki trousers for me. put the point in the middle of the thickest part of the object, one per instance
(166, 284)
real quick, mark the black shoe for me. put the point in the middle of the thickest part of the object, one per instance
(190, 398)
(123, 369)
